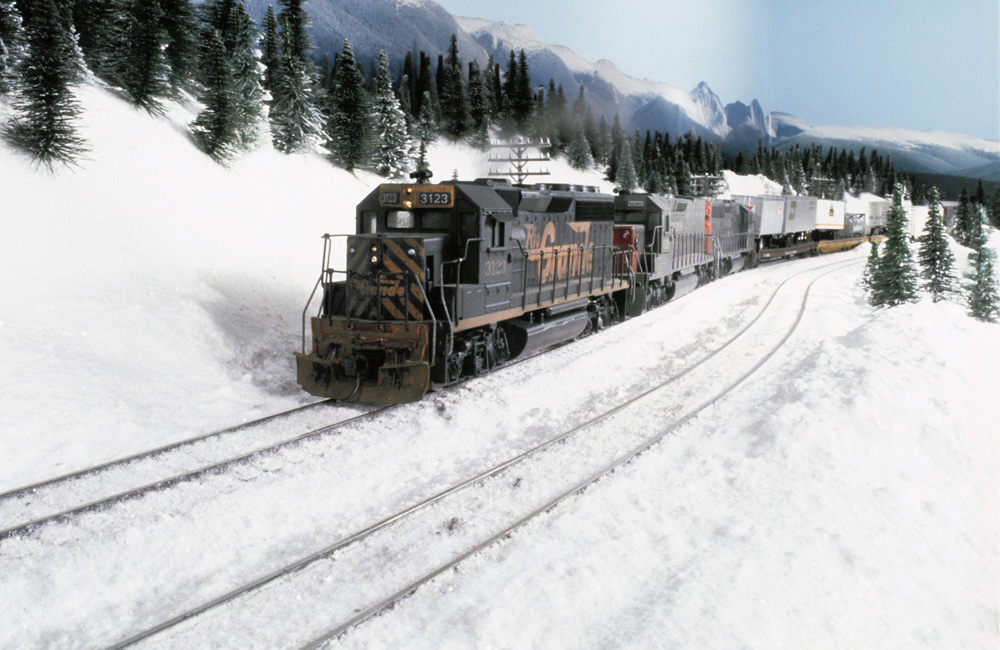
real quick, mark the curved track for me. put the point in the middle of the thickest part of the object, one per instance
(608, 450)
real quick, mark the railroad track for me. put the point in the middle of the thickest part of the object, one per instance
(27, 508)
(347, 573)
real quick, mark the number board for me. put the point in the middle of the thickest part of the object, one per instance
(420, 196)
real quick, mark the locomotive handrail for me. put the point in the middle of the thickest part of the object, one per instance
(326, 274)
(458, 271)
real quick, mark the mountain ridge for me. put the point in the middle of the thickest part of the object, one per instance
(399, 26)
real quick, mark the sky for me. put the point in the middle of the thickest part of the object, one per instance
(845, 63)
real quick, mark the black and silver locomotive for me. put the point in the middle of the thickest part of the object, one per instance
(447, 281)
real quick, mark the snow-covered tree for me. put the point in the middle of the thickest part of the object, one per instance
(871, 268)
(392, 142)
(984, 299)
(144, 70)
(45, 108)
(349, 128)
(216, 128)
(579, 151)
(426, 126)
(180, 23)
(936, 260)
(965, 216)
(249, 92)
(626, 177)
(895, 281)
(270, 48)
(296, 122)
(11, 45)
(293, 20)
(995, 207)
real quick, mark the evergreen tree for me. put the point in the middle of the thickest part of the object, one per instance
(180, 23)
(984, 300)
(294, 20)
(249, 92)
(216, 128)
(871, 269)
(45, 108)
(626, 177)
(426, 125)
(579, 151)
(11, 45)
(270, 48)
(964, 218)
(478, 96)
(995, 207)
(392, 142)
(895, 281)
(936, 260)
(522, 103)
(349, 128)
(144, 71)
(101, 26)
(454, 101)
(296, 122)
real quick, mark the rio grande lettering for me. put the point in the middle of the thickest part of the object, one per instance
(555, 261)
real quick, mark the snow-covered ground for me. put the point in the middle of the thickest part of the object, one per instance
(846, 496)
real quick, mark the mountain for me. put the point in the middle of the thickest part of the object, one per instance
(399, 26)
(924, 152)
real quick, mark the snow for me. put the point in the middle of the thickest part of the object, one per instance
(845, 496)
(905, 138)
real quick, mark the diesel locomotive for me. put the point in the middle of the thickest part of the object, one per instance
(448, 281)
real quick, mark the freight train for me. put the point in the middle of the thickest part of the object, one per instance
(448, 281)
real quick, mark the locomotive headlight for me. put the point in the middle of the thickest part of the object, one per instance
(411, 252)
(408, 204)
(374, 259)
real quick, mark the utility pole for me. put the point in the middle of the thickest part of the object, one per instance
(516, 155)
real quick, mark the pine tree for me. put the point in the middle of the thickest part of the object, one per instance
(144, 73)
(296, 122)
(454, 101)
(964, 218)
(180, 23)
(216, 128)
(11, 45)
(294, 20)
(984, 299)
(249, 92)
(871, 268)
(348, 130)
(995, 207)
(936, 260)
(522, 103)
(101, 26)
(270, 48)
(45, 108)
(895, 281)
(426, 126)
(392, 142)
(478, 96)
(626, 177)
(579, 151)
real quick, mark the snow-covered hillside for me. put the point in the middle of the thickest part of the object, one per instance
(845, 496)
(150, 274)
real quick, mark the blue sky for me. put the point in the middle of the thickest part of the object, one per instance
(920, 65)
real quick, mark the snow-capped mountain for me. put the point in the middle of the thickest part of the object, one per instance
(931, 152)
(399, 26)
